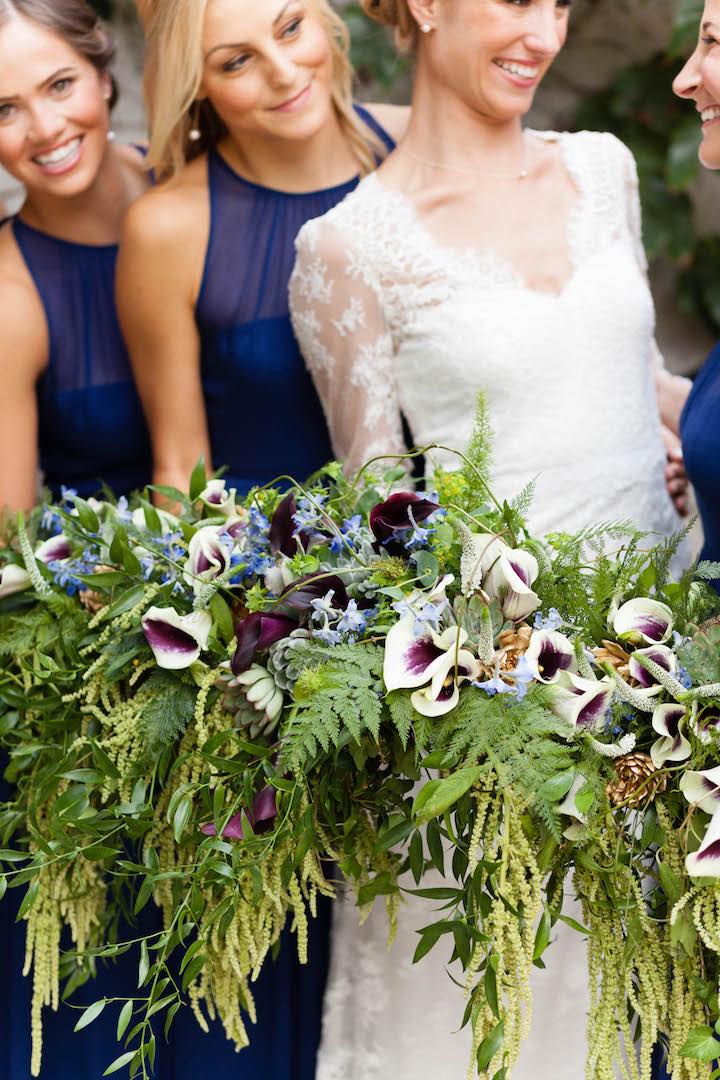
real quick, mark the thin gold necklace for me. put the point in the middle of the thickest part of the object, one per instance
(523, 173)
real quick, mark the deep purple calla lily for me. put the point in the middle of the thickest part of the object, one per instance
(390, 518)
(297, 598)
(284, 536)
(261, 817)
(258, 632)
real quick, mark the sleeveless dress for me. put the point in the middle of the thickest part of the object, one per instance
(264, 416)
(392, 320)
(700, 428)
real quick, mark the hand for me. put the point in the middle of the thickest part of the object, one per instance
(676, 478)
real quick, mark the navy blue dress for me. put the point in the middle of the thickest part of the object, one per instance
(264, 416)
(700, 429)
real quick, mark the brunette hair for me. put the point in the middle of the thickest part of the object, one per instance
(173, 75)
(396, 14)
(76, 23)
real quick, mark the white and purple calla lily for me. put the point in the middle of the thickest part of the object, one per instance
(208, 557)
(702, 789)
(549, 654)
(479, 552)
(176, 640)
(13, 579)
(705, 862)
(662, 656)
(582, 702)
(644, 620)
(669, 722)
(168, 521)
(56, 549)
(218, 498)
(509, 580)
(435, 662)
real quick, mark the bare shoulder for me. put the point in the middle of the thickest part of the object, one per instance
(23, 328)
(172, 217)
(393, 118)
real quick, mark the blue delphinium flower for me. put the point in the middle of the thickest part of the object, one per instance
(684, 678)
(352, 621)
(326, 634)
(552, 621)
(309, 514)
(352, 535)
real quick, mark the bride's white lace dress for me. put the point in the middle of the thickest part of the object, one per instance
(393, 321)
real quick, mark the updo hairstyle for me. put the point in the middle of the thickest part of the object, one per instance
(395, 14)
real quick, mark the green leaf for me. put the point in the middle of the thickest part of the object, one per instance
(701, 1045)
(438, 796)
(124, 1019)
(557, 787)
(428, 568)
(671, 884)
(417, 857)
(181, 817)
(198, 480)
(491, 992)
(152, 518)
(222, 617)
(542, 937)
(490, 1047)
(144, 965)
(86, 515)
(28, 900)
(126, 602)
(120, 1063)
(393, 836)
(90, 1014)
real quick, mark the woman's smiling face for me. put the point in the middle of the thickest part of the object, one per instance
(699, 81)
(268, 67)
(493, 54)
(53, 111)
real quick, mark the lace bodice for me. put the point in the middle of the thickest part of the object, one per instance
(392, 321)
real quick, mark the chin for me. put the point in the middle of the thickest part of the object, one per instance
(710, 156)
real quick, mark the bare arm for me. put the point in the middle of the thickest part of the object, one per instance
(157, 283)
(23, 354)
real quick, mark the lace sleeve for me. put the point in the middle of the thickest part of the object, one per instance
(634, 216)
(340, 323)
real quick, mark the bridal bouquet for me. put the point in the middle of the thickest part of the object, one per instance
(228, 709)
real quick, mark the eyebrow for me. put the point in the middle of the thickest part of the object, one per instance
(46, 82)
(240, 44)
(707, 25)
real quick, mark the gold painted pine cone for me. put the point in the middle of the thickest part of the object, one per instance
(91, 600)
(614, 654)
(634, 783)
(514, 644)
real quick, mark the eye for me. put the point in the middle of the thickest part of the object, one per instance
(237, 63)
(6, 111)
(61, 86)
(709, 41)
(292, 27)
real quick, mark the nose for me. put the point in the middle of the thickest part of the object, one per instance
(281, 68)
(46, 124)
(546, 33)
(688, 82)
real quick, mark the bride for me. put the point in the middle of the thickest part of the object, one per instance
(482, 257)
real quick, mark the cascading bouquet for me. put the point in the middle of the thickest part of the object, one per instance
(224, 709)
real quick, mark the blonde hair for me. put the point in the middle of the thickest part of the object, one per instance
(396, 14)
(173, 75)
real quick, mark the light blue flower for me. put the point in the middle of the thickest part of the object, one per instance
(553, 621)
(352, 621)
(327, 635)
(496, 685)
(323, 606)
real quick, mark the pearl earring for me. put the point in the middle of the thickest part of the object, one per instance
(426, 28)
(194, 134)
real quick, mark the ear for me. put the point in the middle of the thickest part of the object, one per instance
(424, 12)
(106, 86)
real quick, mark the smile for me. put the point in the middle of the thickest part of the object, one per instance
(710, 114)
(295, 102)
(61, 158)
(526, 72)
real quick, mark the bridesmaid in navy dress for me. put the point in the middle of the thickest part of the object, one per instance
(69, 403)
(272, 139)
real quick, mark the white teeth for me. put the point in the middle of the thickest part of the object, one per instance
(713, 113)
(57, 157)
(517, 69)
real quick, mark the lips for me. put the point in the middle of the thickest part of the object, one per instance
(519, 70)
(295, 102)
(62, 158)
(710, 113)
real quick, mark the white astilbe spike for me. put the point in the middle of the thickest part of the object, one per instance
(39, 584)
(486, 641)
(701, 693)
(628, 693)
(666, 680)
(583, 662)
(615, 750)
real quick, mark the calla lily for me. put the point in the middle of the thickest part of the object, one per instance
(479, 552)
(582, 702)
(397, 516)
(412, 659)
(278, 577)
(296, 600)
(217, 497)
(261, 817)
(702, 789)
(662, 656)
(705, 862)
(509, 581)
(443, 693)
(56, 549)
(13, 579)
(177, 640)
(208, 557)
(668, 721)
(549, 654)
(258, 632)
(568, 806)
(169, 522)
(285, 538)
(644, 620)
